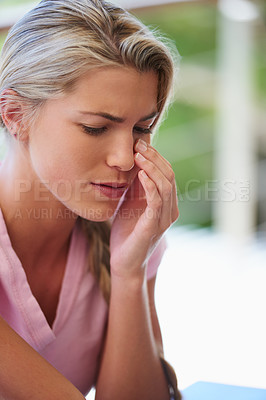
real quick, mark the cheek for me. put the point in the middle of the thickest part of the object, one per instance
(148, 140)
(50, 156)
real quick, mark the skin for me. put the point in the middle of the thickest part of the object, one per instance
(53, 167)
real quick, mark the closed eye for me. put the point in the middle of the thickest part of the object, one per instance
(99, 131)
(94, 131)
(145, 131)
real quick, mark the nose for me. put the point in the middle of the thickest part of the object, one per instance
(120, 152)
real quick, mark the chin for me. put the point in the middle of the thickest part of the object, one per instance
(96, 214)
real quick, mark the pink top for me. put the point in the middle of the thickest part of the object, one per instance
(74, 342)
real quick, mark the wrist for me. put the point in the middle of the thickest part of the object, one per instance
(129, 281)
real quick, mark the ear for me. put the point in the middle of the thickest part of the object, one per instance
(12, 110)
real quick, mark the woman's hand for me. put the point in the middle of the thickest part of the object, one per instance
(149, 208)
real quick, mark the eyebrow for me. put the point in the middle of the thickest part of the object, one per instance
(118, 119)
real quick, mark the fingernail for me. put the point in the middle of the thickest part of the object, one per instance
(140, 157)
(141, 145)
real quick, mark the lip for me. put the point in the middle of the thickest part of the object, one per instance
(116, 185)
(112, 190)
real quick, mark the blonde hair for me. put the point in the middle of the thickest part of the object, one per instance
(47, 51)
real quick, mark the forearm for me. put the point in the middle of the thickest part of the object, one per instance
(130, 367)
(25, 375)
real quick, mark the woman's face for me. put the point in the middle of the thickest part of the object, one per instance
(82, 145)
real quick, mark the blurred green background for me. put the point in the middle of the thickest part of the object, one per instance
(186, 137)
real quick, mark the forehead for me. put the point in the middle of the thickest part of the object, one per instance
(116, 90)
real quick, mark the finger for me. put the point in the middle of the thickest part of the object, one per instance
(164, 187)
(166, 190)
(151, 154)
(152, 214)
(165, 167)
(175, 210)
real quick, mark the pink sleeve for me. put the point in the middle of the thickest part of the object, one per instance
(155, 258)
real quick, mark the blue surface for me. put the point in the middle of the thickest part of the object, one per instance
(217, 391)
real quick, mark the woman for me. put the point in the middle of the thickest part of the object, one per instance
(85, 202)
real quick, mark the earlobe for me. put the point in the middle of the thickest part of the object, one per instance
(13, 113)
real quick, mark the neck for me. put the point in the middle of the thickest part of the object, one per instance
(35, 219)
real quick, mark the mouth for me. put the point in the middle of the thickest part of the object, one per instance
(112, 190)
